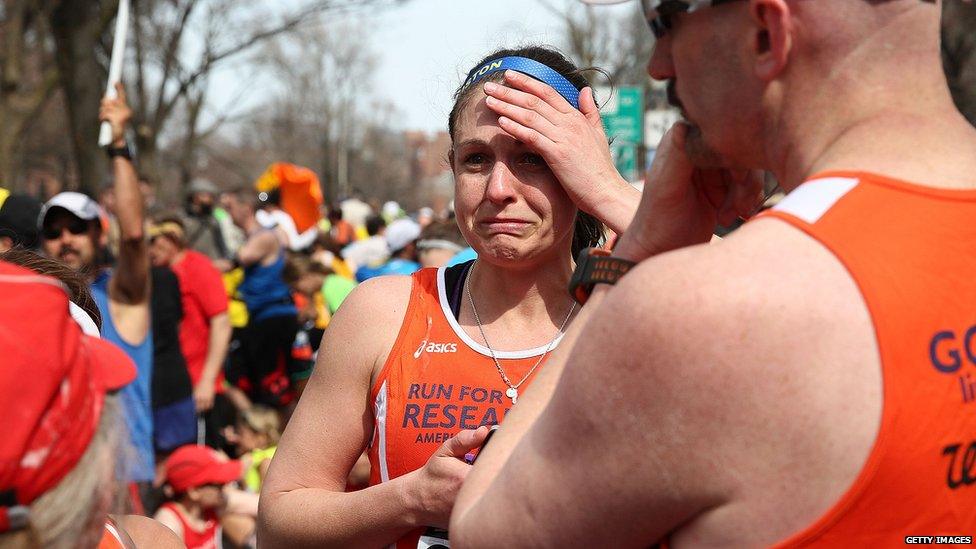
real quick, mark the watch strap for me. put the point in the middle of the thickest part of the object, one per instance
(596, 266)
(122, 152)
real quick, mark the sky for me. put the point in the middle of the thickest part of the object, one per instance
(425, 47)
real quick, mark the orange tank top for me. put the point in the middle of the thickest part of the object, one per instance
(911, 250)
(112, 537)
(436, 381)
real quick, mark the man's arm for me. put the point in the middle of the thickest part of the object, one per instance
(220, 332)
(256, 249)
(621, 431)
(130, 281)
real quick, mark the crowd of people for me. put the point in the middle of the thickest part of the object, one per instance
(244, 372)
(220, 303)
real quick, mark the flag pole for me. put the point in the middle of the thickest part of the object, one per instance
(115, 67)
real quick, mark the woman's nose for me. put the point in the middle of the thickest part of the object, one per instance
(501, 184)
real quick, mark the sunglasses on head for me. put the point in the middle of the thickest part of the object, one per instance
(658, 13)
(75, 226)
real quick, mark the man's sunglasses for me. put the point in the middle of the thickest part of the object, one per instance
(658, 13)
(75, 226)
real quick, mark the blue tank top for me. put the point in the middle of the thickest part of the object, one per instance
(265, 292)
(135, 396)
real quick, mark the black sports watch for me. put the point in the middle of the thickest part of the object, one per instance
(595, 266)
(123, 152)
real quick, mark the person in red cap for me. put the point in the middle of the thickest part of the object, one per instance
(61, 431)
(195, 480)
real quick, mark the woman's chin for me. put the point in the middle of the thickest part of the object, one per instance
(509, 252)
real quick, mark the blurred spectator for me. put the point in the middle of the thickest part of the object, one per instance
(256, 438)
(272, 216)
(72, 232)
(425, 216)
(174, 416)
(306, 277)
(196, 477)
(392, 211)
(273, 322)
(328, 252)
(205, 331)
(204, 231)
(59, 450)
(18, 221)
(355, 211)
(341, 231)
(372, 251)
(465, 255)
(401, 238)
(439, 242)
(151, 203)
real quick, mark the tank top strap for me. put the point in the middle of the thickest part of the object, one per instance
(423, 288)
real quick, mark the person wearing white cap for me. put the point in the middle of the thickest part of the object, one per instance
(401, 238)
(72, 231)
(392, 211)
(808, 381)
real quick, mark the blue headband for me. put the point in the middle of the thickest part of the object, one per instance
(532, 68)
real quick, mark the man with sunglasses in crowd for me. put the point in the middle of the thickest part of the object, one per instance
(810, 380)
(72, 231)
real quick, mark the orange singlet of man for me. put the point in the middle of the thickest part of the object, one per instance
(912, 252)
(436, 381)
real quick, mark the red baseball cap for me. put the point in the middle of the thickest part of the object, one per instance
(193, 466)
(53, 383)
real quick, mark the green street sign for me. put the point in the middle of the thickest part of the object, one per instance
(623, 120)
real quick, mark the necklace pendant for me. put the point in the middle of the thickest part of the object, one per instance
(512, 393)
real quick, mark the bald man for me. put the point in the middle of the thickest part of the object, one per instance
(811, 380)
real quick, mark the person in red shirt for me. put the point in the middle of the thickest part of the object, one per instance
(196, 477)
(205, 330)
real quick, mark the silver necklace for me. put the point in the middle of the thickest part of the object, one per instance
(512, 391)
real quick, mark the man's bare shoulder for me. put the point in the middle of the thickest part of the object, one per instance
(751, 275)
(757, 345)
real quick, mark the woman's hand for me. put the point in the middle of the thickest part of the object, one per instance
(435, 486)
(571, 141)
(682, 204)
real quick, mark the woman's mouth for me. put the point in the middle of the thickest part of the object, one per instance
(498, 225)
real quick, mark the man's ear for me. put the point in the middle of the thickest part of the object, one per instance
(773, 38)
(6, 243)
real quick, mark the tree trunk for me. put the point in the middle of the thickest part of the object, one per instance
(77, 25)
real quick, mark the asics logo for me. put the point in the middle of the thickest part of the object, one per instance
(435, 348)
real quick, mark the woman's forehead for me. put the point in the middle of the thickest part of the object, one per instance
(479, 124)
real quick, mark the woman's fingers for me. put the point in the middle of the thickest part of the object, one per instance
(524, 100)
(525, 117)
(540, 90)
(525, 134)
